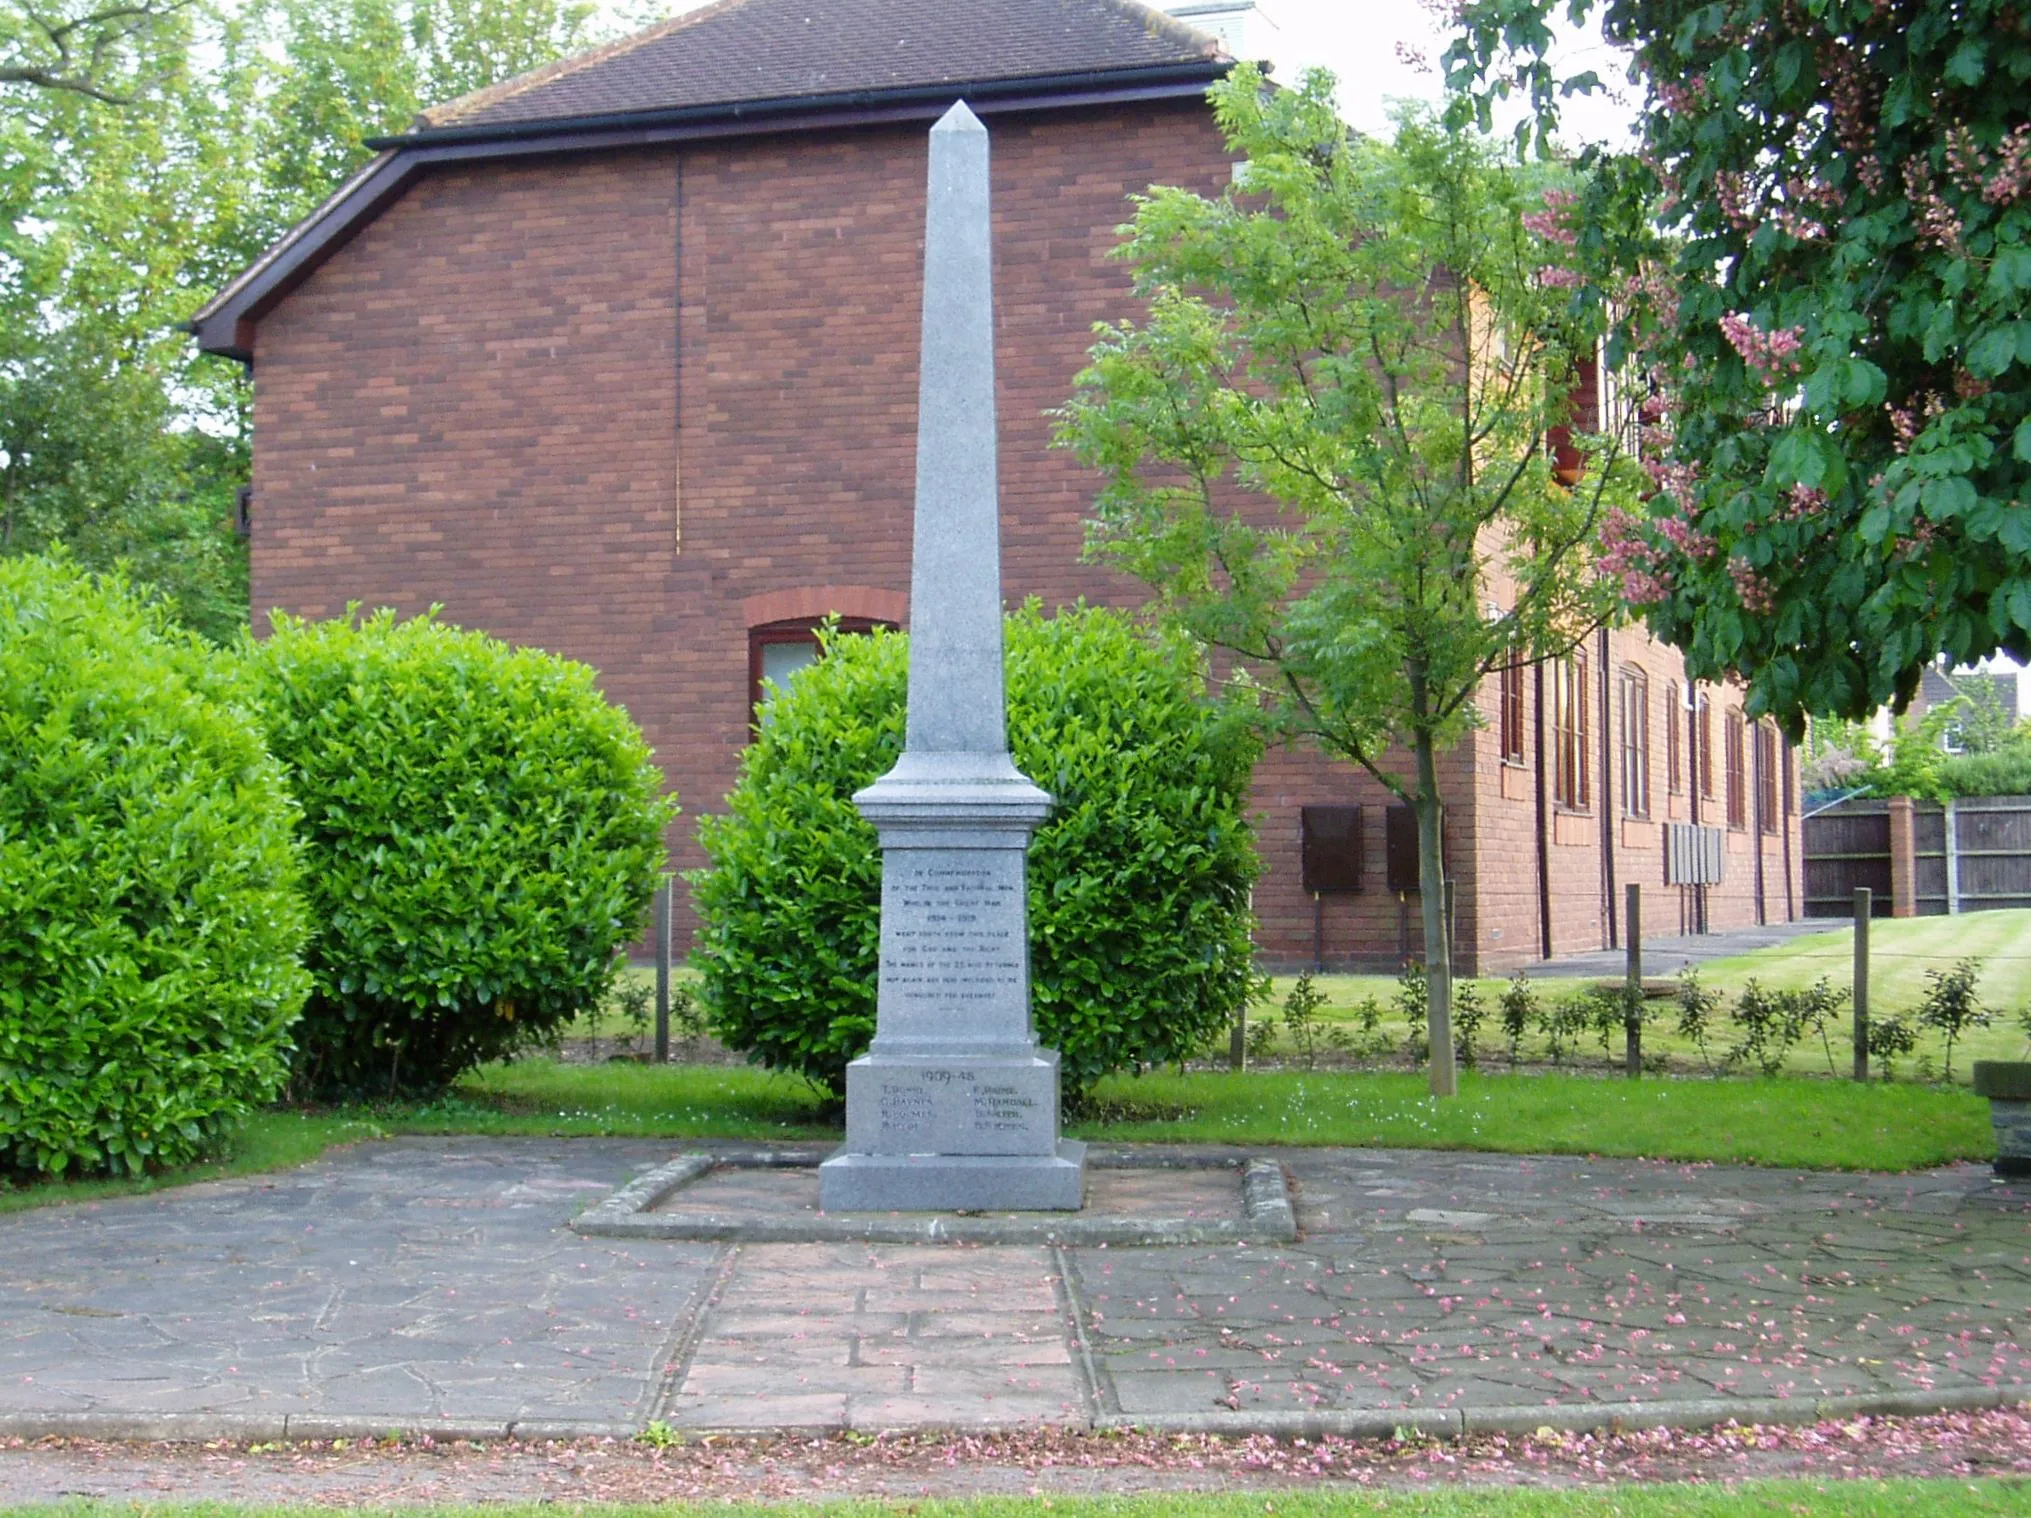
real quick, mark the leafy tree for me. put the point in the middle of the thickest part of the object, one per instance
(1323, 445)
(1822, 249)
(148, 152)
(79, 47)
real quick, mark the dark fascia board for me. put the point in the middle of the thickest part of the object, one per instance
(225, 325)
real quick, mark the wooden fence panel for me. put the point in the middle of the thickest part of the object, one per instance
(1928, 833)
(1993, 841)
(1847, 847)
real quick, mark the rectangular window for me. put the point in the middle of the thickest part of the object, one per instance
(1511, 723)
(1568, 697)
(1635, 703)
(1703, 745)
(1766, 777)
(1738, 787)
(1673, 760)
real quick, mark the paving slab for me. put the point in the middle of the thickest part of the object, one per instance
(1435, 1290)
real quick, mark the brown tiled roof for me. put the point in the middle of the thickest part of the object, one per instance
(753, 50)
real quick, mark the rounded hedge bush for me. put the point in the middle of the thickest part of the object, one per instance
(1138, 885)
(150, 925)
(483, 832)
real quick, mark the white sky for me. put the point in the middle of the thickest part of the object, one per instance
(1372, 47)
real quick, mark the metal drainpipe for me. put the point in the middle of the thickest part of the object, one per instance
(1787, 788)
(1756, 817)
(1543, 853)
(1607, 794)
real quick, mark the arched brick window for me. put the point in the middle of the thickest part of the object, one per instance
(783, 628)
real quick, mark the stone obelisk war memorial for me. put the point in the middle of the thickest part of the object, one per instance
(955, 1106)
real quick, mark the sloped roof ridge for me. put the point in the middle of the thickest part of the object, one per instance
(745, 52)
(453, 111)
(1181, 31)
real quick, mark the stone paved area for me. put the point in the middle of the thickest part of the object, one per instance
(429, 1283)
(406, 1281)
(1439, 1281)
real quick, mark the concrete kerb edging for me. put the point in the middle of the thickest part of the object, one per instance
(262, 1428)
(1518, 1420)
(1267, 1214)
(1567, 1418)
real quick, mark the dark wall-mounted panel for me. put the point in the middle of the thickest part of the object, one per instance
(1399, 848)
(1331, 853)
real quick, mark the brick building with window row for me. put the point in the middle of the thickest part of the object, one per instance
(619, 359)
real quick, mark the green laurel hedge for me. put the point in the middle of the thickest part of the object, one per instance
(482, 831)
(149, 918)
(1138, 885)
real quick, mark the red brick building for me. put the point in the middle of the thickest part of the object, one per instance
(619, 359)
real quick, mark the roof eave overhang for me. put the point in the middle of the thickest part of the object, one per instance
(226, 323)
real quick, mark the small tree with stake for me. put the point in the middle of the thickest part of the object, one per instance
(1324, 445)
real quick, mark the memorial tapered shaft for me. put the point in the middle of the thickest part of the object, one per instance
(955, 573)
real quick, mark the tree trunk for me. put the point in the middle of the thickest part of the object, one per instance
(1438, 925)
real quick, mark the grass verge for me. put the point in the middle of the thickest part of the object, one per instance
(1814, 1125)
(1749, 1499)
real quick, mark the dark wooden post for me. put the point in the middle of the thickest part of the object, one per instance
(1865, 905)
(1632, 1005)
(662, 915)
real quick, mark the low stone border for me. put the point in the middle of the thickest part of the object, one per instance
(1523, 1419)
(1516, 1420)
(263, 1428)
(1267, 1215)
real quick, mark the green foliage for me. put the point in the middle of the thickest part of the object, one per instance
(1564, 1022)
(1329, 479)
(1519, 1011)
(1890, 1039)
(149, 918)
(1951, 1006)
(148, 153)
(1823, 251)
(2003, 772)
(1468, 1015)
(1764, 1034)
(1301, 1021)
(483, 833)
(1138, 885)
(1770, 1024)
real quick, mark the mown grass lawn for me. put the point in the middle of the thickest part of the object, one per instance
(1820, 1125)
(1901, 951)
(1751, 1499)
(1829, 1125)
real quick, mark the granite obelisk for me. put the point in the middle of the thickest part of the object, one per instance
(955, 1106)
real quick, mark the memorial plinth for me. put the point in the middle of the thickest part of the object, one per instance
(954, 1106)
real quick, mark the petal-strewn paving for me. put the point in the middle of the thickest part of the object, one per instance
(423, 1282)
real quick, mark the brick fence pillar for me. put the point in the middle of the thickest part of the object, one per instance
(1903, 858)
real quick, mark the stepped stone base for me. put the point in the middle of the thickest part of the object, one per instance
(954, 1182)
